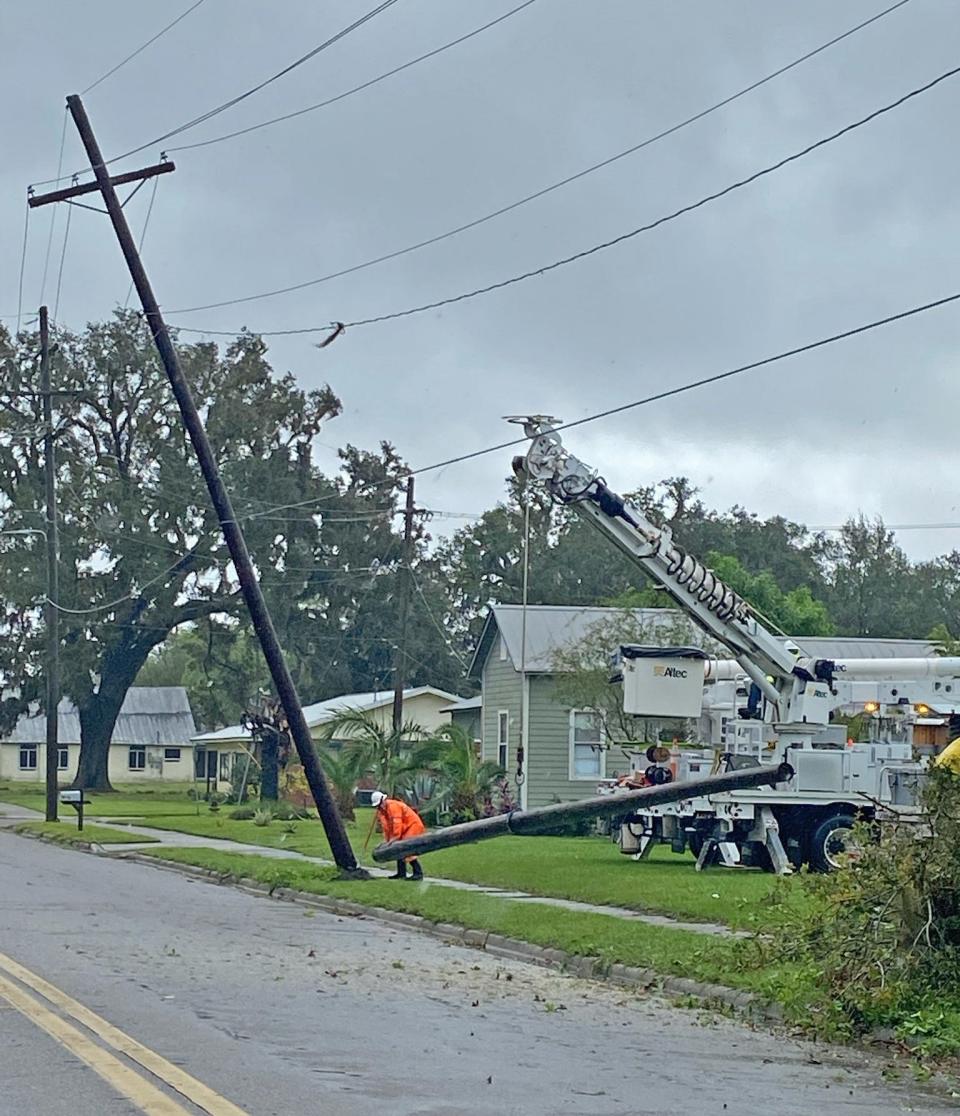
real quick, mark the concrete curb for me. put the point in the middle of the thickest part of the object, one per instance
(497, 945)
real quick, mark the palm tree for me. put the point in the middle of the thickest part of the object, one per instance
(462, 780)
(343, 772)
(384, 754)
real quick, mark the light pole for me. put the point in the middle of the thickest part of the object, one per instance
(52, 626)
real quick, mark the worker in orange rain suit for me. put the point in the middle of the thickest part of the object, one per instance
(398, 820)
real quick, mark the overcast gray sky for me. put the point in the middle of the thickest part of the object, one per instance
(866, 227)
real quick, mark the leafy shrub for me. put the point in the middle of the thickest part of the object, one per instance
(242, 813)
(263, 817)
(877, 943)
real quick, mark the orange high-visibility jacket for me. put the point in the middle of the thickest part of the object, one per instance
(398, 820)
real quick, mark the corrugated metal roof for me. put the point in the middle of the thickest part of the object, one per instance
(550, 628)
(149, 715)
(322, 711)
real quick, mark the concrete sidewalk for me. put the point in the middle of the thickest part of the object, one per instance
(167, 838)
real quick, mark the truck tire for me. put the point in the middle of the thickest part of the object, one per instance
(830, 839)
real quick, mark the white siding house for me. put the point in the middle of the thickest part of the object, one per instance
(151, 740)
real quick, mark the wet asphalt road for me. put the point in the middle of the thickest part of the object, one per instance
(287, 1011)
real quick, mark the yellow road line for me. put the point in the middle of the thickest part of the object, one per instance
(124, 1080)
(195, 1091)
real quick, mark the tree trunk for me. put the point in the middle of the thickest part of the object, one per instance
(270, 766)
(99, 712)
(97, 721)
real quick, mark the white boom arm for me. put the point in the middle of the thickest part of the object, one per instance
(711, 604)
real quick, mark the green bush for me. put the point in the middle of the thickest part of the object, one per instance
(263, 817)
(242, 813)
(877, 944)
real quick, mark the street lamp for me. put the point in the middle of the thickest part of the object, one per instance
(52, 626)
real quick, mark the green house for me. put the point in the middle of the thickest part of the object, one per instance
(565, 753)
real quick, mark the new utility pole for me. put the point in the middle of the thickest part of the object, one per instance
(400, 653)
(51, 615)
(232, 532)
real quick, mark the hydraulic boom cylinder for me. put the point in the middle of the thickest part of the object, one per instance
(548, 819)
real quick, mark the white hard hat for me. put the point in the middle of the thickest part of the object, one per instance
(377, 797)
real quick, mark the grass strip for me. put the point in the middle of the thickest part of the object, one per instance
(586, 869)
(613, 939)
(66, 833)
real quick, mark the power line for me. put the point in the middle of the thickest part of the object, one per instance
(604, 245)
(681, 389)
(143, 231)
(546, 189)
(120, 600)
(53, 209)
(784, 355)
(898, 527)
(23, 265)
(140, 49)
(433, 620)
(247, 93)
(63, 256)
(359, 88)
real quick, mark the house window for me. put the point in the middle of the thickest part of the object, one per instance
(226, 764)
(138, 757)
(586, 745)
(171, 755)
(503, 738)
(63, 759)
(28, 757)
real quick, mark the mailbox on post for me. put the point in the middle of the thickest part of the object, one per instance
(75, 799)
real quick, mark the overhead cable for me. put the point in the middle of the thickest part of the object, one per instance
(23, 265)
(244, 95)
(143, 233)
(613, 242)
(63, 257)
(140, 49)
(364, 85)
(681, 389)
(472, 224)
(716, 378)
(53, 209)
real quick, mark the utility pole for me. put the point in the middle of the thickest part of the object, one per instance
(400, 660)
(232, 532)
(51, 615)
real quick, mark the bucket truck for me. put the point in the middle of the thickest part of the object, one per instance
(786, 719)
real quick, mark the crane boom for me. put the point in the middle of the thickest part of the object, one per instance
(772, 661)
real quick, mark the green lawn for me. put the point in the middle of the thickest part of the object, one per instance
(125, 802)
(588, 869)
(681, 952)
(66, 833)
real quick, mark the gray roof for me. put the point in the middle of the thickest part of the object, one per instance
(149, 715)
(550, 628)
(323, 711)
(464, 706)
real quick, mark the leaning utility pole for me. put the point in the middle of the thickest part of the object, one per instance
(232, 533)
(51, 615)
(400, 652)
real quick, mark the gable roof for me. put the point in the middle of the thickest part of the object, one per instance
(149, 715)
(550, 628)
(322, 711)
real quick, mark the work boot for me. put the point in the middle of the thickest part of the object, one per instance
(417, 873)
(401, 872)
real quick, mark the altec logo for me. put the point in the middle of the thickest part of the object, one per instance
(668, 672)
